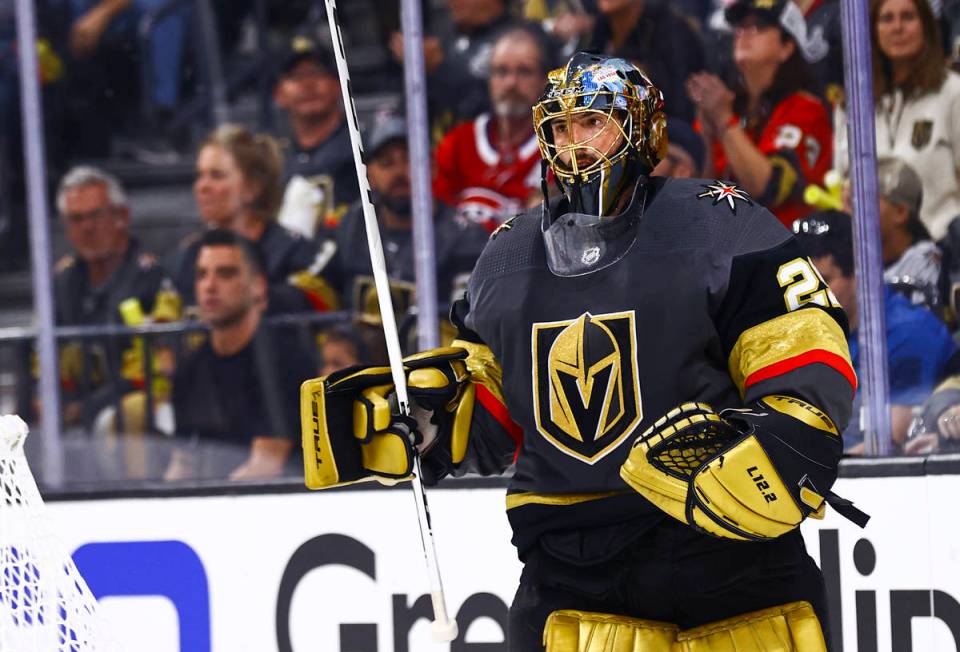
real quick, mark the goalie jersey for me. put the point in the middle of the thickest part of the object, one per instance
(714, 302)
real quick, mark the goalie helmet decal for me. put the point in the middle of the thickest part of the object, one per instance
(615, 92)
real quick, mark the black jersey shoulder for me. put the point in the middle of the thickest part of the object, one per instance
(516, 245)
(711, 215)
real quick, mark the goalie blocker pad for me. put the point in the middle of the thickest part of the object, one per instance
(750, 475)
(349, 433)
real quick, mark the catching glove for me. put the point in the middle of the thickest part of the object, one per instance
(750, 474)
(349, 432)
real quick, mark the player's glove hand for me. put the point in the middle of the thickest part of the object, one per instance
(743, 474)
(439, 383)
(349, 431)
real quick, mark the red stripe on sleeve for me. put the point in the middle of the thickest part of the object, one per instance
(836, 362)
(499, 412)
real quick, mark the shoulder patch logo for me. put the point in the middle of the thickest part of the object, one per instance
(719, 191)
(586, 386)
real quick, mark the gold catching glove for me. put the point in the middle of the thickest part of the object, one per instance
(742, 474)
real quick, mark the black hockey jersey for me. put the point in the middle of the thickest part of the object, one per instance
(714, 302)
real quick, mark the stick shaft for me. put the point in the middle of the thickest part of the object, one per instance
(380, 278)
(389, 322)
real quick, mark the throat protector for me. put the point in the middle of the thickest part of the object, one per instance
(580, 243)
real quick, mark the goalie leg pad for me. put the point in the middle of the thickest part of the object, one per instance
(569, 630)
(792, 627)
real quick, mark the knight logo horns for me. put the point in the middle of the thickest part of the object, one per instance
(585, 382)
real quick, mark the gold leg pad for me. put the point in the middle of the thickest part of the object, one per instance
(569, 630)
(792, 627)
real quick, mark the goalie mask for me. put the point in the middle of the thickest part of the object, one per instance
(600, 125)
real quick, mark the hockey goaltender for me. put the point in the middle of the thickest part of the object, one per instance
(666, 370)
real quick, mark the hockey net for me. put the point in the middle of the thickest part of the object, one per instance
(45, 605)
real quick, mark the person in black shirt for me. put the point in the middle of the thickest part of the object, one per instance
(318, 154)
(647, 33)
(457, 240)
(458, 61)
(238, 188)
(234, 398)
(107, 268)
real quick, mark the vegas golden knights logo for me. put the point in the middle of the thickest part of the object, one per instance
(585, 383)
(922, 131)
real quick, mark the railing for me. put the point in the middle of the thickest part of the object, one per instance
(114, 338)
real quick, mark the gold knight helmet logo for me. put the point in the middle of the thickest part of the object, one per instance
(586, 388)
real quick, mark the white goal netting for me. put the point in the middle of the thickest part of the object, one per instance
(45, 606)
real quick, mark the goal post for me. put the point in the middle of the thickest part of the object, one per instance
(45, 605)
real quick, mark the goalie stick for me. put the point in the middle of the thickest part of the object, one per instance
(443, 628)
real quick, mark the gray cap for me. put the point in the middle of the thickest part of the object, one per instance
(899, 183)
(387, 127)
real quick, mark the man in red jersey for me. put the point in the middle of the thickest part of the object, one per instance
(489, 168)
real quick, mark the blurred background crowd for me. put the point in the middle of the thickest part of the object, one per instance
(203, 191)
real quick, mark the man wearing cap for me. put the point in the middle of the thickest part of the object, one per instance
(911, 259)
(321, 176)
(767, 129)
(685, 152)
(919, 345)
(458, 242)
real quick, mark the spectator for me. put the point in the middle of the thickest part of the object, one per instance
(104, 82)
(768, 132)
(917, 106)
(107, 269)
(346, 345)
(108, 266)
(685, 152)
(824, 35)
(649, 33)
(569, 21)
(919, 347)
(321, 177)
(489, 168)
(458, 242)
(941, 421)
(238, 188)
(911, 260)
(458, 63)
(235, 398)
(824, 26)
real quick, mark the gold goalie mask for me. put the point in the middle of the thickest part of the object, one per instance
(600, 125)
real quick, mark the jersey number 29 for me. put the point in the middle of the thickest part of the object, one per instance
(804, 285)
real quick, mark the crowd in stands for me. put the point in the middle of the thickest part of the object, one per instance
(753, 91)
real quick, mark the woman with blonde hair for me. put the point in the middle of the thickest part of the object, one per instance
(917, 106)
(238, 187)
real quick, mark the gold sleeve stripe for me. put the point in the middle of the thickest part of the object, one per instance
(788, 342)
(521, 499)
(483, 367)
